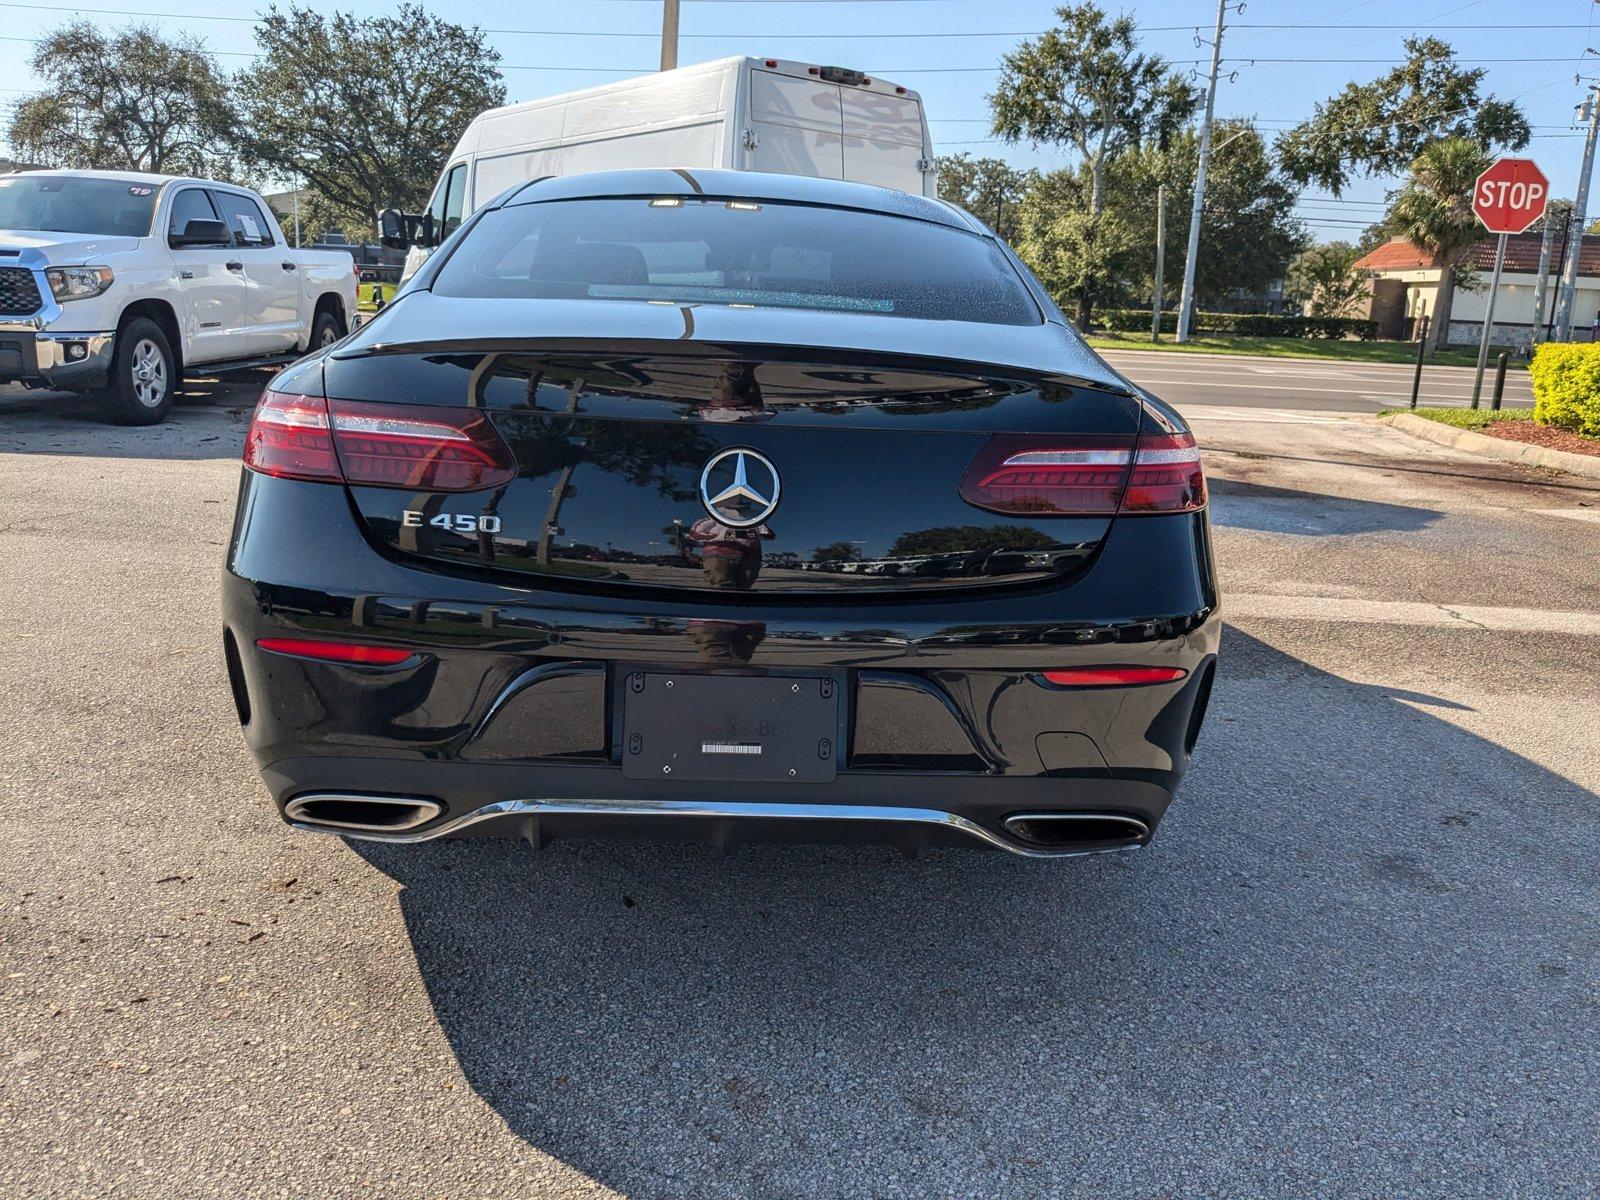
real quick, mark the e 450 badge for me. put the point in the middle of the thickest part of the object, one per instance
(469, 523)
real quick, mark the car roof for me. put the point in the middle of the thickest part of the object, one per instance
(751, 185)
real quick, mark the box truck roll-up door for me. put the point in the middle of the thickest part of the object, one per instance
(799, 126)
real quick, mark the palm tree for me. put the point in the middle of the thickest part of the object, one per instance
(1434, 212)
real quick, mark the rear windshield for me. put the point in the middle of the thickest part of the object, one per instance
(715, 251)
(67, 204)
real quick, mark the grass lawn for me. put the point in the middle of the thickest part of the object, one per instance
(1466, 418)
(1345, 351)
(364, 296)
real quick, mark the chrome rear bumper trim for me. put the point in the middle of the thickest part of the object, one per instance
(508, 809)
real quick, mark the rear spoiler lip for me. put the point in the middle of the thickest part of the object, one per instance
(427, 322)
(797, 351)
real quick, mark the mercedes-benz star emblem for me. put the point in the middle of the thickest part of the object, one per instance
(739, 488)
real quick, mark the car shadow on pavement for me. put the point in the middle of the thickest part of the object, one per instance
(1354, 962)
(208, 421)
(1264, 509)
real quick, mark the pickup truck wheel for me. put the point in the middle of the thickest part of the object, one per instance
(325, 331)
(144, 377)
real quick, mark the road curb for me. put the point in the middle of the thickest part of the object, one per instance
(1491, 447)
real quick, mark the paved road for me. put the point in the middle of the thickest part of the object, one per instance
(1246, 381)
(1361, 959)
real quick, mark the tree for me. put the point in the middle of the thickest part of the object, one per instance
(363, 110)
(1081, 260)
(1322, 278)
(1380, 128)
(1434, 211)
(133, 100)
(836, 552)
(1085, 85)
(1249, 232)
(989, 188)
(1373, 236)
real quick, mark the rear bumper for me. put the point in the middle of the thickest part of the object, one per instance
(507, 719)
(547, 801)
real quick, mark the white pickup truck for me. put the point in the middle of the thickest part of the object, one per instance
(120, 282)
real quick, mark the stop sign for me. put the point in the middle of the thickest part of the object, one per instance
(1510, 196)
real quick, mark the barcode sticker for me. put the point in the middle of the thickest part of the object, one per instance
(730, 747)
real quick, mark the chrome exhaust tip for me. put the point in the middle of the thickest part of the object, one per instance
(1078, 832)
(360, 814)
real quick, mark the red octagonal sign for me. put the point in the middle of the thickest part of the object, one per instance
(1510, 196)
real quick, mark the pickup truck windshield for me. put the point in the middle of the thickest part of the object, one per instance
(69, 204)
(680, 250)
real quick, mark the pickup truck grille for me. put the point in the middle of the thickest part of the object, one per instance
(19, 294)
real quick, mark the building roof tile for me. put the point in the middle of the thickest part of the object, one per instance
(1522, 256)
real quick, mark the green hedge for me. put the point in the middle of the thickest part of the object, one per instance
(1328, 328)
(1566, 386)
(1137, 320)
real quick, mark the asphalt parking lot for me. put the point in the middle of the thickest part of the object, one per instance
(1362, 958)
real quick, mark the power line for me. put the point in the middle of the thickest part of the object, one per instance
(806, 36)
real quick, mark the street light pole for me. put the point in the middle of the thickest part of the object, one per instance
(1566, 297)
(1186, 305)
(669, 34)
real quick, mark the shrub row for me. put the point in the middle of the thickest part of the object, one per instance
(1566, 386)
(1137, 320)
(1329, 328)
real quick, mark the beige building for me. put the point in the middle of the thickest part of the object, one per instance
(1405, 284)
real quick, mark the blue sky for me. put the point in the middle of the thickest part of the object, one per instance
(551, 47)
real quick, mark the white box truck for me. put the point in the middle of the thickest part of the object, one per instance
(744, 114)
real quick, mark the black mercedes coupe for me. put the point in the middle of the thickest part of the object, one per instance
(722, 505)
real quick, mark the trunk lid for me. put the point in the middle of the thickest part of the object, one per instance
(646, 463)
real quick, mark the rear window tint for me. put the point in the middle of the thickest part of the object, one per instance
(736, 252)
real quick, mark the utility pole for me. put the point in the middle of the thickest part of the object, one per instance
(669, 34)
(1541, 288)
(1161, 259)
(1566, 297)
(1186, 305)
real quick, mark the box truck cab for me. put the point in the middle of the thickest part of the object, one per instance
(745, 114)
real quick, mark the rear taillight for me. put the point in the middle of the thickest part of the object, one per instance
(289, 437)
(1088, 475)
(425, 449)
(1166, 475)
(377, 445)
(1050, 476)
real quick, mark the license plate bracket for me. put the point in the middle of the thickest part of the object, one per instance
(736, 728)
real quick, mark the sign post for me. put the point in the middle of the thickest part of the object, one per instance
(1507, 198)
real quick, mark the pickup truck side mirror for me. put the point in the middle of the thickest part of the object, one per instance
(200, 232)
